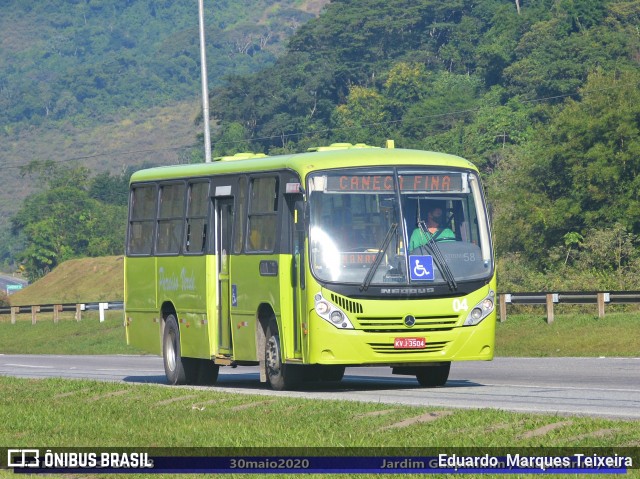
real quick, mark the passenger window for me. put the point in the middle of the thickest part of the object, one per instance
(170, 219)
(263, 214)
(196, 221)
(143, 213)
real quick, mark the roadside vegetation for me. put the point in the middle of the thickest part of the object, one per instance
(82, 280)
(572, 334)
(88, 336)
(36, 412)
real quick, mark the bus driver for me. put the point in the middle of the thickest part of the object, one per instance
(431, 227)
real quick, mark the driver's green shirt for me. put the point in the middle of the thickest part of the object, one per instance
(418, 238)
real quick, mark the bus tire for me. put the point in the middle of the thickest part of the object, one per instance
(178, 370)
(433, 376)
(280, 376)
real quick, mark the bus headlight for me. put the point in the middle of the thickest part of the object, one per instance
(322, 308)
(481, 310)
(336, 317)
(331, 313)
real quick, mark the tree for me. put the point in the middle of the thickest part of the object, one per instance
(231, 139)
(363, 118)
(64, 221)
(111, 189)
(578, 173)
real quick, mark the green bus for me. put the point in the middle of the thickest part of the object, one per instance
(304, 264)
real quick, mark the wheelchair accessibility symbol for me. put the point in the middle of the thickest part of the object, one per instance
(421, 268)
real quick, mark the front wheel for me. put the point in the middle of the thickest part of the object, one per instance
(433, 376)
(280, 376)
(178, 370)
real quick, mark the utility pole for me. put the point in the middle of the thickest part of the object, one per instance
(205, 86)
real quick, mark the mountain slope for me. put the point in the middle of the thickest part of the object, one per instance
(110, 85)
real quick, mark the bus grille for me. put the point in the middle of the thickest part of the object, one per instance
(387, 348)
(386, 324)
(346, 304)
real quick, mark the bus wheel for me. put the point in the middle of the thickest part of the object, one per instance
(178, 370)
(280, 376)
(433, 376)
(207, 372)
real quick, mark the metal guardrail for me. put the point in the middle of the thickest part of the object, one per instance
(599, 298)
(56, 309)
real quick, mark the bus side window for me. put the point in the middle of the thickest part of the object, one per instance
(170, 219)
(143, 212)
(263, 214)
(196, 220)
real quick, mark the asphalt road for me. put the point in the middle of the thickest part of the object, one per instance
(603, 387)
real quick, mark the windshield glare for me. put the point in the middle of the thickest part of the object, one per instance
(415, 227)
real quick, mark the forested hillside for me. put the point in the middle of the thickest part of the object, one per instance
(541, 94)
(61, 58)
(112, 84)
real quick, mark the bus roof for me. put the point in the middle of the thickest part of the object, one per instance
(305, 163)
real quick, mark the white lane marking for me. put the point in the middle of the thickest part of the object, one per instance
(28, 366)
(131, 370)
(561, 388)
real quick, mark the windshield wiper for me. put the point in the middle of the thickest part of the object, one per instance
(376, 263)
(438, 257)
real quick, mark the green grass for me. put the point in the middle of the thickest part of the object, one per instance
(111, 415)
(571, 334)
(88, 336)
(83, 280)
(79, 413)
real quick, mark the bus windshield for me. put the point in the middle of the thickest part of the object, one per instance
(415, 226)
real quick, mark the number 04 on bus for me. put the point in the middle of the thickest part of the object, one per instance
(304, 264)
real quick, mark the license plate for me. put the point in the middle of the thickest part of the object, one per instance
(409, 343)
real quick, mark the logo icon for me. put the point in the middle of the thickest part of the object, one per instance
(23, 458)
(421, 268)
(409, 321)
(234, 295)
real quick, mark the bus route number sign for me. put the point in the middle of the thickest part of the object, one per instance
(409, 343)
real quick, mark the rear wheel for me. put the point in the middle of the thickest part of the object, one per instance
(178, 370)
(280, 376)
(433, 376)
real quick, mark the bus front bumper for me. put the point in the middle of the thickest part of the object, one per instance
(330, 345)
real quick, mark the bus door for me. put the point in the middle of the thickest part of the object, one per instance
(298, 272)
(224, 229)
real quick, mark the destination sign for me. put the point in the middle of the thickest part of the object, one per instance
(437, 182)
(358, 259)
